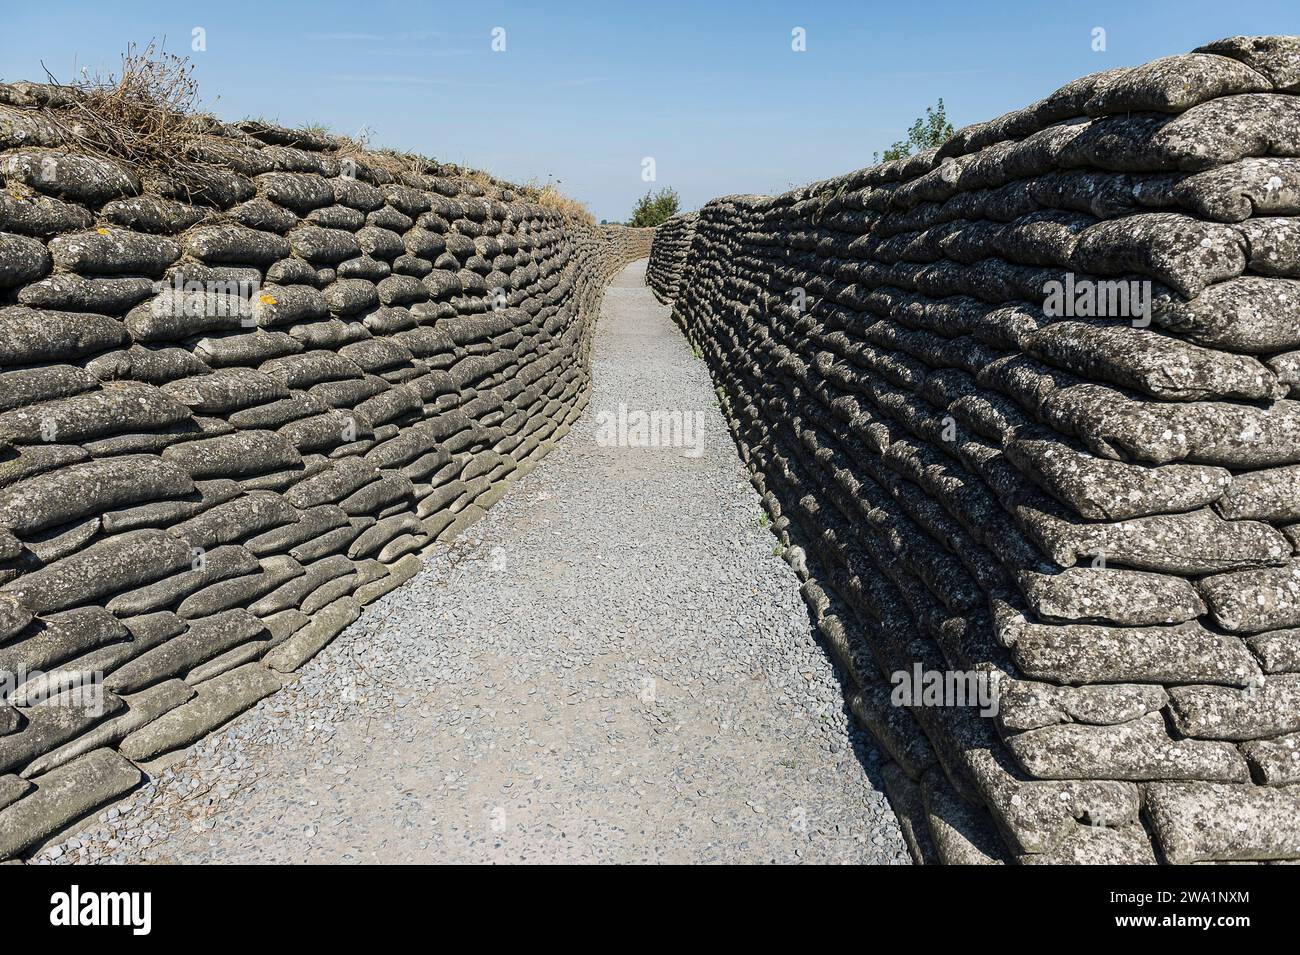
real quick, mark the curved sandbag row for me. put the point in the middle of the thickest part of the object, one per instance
(1024, 410)
(231, 417)
(668, 256)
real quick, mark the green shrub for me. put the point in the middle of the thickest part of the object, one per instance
(933, 129)
(654, 208)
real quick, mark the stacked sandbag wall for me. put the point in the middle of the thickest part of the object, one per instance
(230, 420)
(1024, 408)
(672, 240)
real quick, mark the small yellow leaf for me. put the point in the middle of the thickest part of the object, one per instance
(267, 298)
(102, 231)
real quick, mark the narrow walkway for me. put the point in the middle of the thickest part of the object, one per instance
(611, 666)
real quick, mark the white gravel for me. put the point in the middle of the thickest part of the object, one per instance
(612, 666)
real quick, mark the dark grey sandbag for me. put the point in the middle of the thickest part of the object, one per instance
(115, 251)
(1275, 57)
(69, 292)
(1246, 314)
(150, 213)
(29, 336)
(243, 517)
(22, 260)
(1184, 253)
(286, 304)
(174, 314)
(347, 297)
(245, 348)
(117, 563)
(1158, 365)
(25, 386)
(323, 246)
(1274, 245)
(90, 488)
(236, 244)
(263, 215)
(117, 408)
(41, 216)
(212, 565)
(1173, 84)
(225, 390)
(1258, 185)
(242, 454)
(300, 192)
(87, 180)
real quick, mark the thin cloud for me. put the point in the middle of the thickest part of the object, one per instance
(420, 53)
(363, 37)
(392, 79)
(388, 79)
(572, 83)
(925, 74)
(582, 81)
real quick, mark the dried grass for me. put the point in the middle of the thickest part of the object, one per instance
(394, 162)
(548, 197)
(146, 117)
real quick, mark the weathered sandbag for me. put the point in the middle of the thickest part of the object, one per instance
(243, 517)
(60, 496)
(297, 191)
(27, 386)
(22, 260)
(113, 252)
(114, 564)
(236, 455)
(226, 390)
(323, 246)
(76, 178)
(207, 567)
(236, 244)
(174, 314)
(31, 336)
(1173, 84)
(75, 293)
(118, 407)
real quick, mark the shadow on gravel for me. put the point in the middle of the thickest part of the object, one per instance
(861, 741)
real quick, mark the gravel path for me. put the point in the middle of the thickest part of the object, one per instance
(611, 666)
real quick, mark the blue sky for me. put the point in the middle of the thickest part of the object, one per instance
(583, 92)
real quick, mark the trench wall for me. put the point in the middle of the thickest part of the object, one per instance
(227, 423)
(672, 241)
(979, 474)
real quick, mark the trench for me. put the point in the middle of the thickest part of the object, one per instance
(613, 665)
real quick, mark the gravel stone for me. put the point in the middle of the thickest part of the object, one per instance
(610, 666)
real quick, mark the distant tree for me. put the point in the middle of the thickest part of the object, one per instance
(653, 208)
(933, 129)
